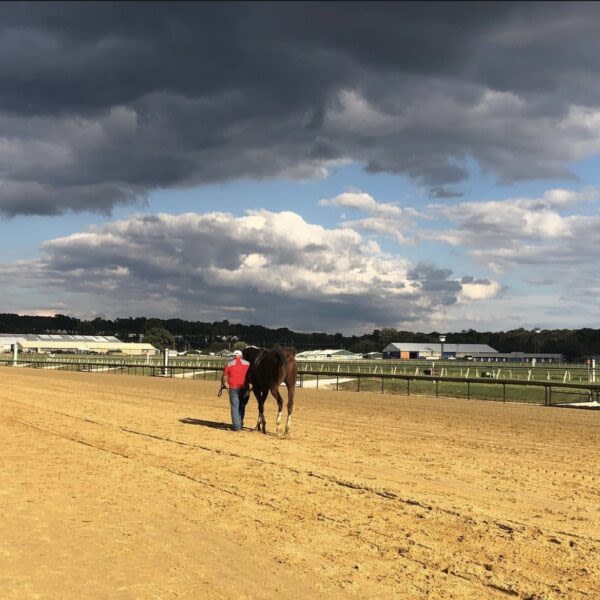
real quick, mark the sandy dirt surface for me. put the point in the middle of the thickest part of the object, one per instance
(133, 487)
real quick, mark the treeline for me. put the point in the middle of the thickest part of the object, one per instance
(573, 343)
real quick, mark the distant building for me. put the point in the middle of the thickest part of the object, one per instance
(518, 357)
(408, 350)
(225, 352)
(73, 344)
(373, 355)
(336, 354)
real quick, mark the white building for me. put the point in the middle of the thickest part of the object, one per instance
(334, 354)
(76, 344)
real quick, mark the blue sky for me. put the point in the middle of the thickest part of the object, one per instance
(23, 234)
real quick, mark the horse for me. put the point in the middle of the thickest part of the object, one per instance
(268, 370)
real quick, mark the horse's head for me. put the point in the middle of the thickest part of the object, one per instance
(250, 353)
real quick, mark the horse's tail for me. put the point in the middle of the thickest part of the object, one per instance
(283, 363)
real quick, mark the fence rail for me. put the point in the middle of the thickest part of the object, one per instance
(554, 392)
(548, 372)
(567, 393)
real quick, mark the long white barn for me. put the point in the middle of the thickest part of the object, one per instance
(335, 353)
(77, 344)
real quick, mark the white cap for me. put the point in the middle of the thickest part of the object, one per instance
(237, 353)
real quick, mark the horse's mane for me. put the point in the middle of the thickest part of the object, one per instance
(268, 368)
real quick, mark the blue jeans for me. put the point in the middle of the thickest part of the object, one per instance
(238, 398)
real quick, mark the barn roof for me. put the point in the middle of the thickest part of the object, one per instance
(70, 342)
(60, 337)
(437, 347)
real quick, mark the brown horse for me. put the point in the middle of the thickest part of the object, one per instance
(268, 370)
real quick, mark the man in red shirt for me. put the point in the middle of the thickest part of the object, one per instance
(234, 380)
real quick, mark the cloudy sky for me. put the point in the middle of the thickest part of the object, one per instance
(431, 166)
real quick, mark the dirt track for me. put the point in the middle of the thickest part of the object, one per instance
(130, 487)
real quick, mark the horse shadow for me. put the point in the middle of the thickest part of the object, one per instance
(213, 424)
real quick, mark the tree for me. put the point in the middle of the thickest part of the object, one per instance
(86, 328)
(364, 347)
(218, 346)
(160, 338)
(387, 336)
(239, 346)
(152, 324)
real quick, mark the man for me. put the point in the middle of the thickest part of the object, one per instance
(234, 380)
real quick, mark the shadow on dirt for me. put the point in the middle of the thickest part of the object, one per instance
(215, 425)
(211, 424)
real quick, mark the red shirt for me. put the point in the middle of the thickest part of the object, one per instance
(236, 370)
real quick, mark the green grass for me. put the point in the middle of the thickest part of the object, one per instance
(484, 391)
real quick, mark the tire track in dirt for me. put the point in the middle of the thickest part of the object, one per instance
(472, 580)
(360, 487)
(351, 520)
(385, 494)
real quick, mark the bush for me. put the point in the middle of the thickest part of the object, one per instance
(160, 338)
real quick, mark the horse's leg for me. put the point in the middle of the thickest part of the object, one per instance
(262, 422)
(290, 406)
(277, 396)
(260, 404)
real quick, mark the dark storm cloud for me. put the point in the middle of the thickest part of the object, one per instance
(441, 193)
(101, 103)
(436, 283)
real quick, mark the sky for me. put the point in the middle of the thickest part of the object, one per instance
(321, 166)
